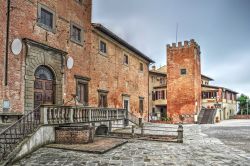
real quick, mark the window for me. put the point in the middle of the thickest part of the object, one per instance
(76, 33)
(125, 59)
(103, 47)
(162, 94)
(79, 1)
(82, 93)
(82, 89)
(162, 81)
(183, 71)
(209, 95)
(103, 98)
(153, 95)
(46, 18)
(153, 78)
(141, 66)
(141, 101)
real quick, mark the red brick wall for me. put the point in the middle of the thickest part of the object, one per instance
(183, 92)
(109, 73)
(74, 135)
(24, 25)
(241, 117)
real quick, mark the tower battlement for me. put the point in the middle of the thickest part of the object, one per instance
(185, 44)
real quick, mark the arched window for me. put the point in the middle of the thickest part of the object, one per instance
(44, 73)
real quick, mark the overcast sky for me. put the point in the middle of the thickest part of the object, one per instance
(221, 28)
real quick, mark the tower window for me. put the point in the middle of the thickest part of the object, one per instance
(183, 71)
(125, 59)
(141, 66)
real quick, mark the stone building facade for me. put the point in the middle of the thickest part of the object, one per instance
(158, 93)
(120, 72)
(221, 99)
(184, 81)
(59, 62)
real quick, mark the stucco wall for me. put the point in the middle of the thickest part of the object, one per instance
(44, 135)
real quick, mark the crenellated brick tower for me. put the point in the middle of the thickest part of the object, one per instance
(184, 81)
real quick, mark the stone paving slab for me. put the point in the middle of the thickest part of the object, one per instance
(100, 145)
(197, 149)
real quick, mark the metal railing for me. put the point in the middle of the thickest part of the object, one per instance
(50, 115)
(14, 134)
(171, 133)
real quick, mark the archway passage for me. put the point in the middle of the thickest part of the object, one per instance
(101, 130)
(43, 86)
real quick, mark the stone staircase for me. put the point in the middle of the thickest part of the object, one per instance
(133, 119)
(207, 116)
(21, 131)
(201, 115)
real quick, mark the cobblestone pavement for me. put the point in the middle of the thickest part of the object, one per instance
(235, 133)
(197, 149)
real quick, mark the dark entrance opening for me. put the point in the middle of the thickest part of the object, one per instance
(101, 130)
(43, 86)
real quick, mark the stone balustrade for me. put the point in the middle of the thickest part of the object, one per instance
(67, 114)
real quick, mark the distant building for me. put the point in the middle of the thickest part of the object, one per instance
(179, 89)
(158, 93)
(218, 98)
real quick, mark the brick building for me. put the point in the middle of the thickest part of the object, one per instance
(119, 71)
(188, 92)
(183, 81)
(57, 60)
(50, 33)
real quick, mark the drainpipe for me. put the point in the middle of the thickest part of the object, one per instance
(148, 93)
(7, 44)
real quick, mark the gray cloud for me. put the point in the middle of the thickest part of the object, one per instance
(221, 27)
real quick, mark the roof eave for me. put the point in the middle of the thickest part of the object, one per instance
(106, 31)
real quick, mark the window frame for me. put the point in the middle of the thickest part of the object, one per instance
(141, 107)
(103, 93)
(80, 80)
(127, 59)
(39, 14)
(181, 71)
(106, 47)
(79, 1)
(141, 67)
(72, 25)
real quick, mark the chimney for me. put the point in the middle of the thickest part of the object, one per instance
(153, 67)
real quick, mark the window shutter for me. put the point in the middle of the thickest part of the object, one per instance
(86, 94)
(163, 94)
(105, 101)
(100, 100)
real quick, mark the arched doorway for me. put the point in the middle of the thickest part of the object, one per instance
(43, 86)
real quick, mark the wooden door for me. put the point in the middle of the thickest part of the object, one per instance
(43, 92)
